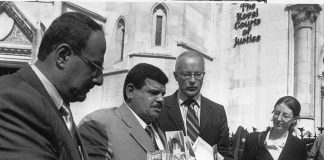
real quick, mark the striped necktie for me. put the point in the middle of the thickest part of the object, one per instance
(192, 120)
(149, 131)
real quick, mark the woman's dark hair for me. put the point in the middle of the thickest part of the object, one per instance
(293, 104)
(175, 141)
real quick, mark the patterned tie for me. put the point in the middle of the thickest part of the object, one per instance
(150, 132)
(192, 120)
(67, 116)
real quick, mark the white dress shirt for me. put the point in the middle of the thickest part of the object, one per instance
(51, 90)
(144, 125)
(275, 146)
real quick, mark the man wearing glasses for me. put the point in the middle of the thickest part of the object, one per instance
(35, 118)
(189, 111)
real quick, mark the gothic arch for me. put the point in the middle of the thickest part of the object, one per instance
(120, 28)
(159, 14)
(160, 5)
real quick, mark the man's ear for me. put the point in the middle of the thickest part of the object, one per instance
(130, 88)
(63, 53)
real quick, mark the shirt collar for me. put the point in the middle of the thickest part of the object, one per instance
(142, 123)
(278, 142)
(182, 98)
(50, 88)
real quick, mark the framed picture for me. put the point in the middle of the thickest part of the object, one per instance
(176, 143)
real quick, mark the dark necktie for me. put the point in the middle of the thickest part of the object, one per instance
(68, 119)
(192, 120)
(150, 132)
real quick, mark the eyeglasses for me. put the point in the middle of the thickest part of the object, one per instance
(286, 116)
(187, 75)
(94, 68)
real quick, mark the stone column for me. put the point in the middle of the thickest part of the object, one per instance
(321, 106)
(304, 17)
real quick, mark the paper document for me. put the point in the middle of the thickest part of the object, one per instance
(204, 151)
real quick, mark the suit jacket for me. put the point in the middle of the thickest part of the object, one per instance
(31, 126)
(116, 134)
(255, 148)
(213, 122)
(317, 150)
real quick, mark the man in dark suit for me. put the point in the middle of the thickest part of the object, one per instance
(191, 112)
(35, 119)
(129, 132)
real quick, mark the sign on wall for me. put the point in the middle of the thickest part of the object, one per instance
(246, 20)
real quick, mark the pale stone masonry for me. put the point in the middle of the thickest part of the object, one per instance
(275, 56)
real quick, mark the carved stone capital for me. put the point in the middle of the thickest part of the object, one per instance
(304, 15)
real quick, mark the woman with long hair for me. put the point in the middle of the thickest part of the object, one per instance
(278, 143)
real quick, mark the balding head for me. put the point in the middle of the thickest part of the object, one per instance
(189, 73)
(188, 55)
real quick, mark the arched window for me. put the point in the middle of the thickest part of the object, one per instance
(120, 37)
(159, 25)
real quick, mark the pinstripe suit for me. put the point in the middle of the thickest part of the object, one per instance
(213, 122)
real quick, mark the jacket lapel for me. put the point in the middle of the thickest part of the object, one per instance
(205, 111)
(28, 75)
(262, 148)
(173, 109)
(31, 78)
(135, 128)
(289, 145)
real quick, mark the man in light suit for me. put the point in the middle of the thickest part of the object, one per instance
(122, 133)
(206, 119)
(35, 119)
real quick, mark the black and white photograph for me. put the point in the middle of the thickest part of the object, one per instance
(116, 80)
(176, 142)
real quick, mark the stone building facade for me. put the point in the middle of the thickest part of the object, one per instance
(255, 53)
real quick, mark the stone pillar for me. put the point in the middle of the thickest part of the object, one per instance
(321, 106)
(304, 17)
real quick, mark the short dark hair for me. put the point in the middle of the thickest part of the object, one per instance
(175, 141)
(72, 28)
(139, 73)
